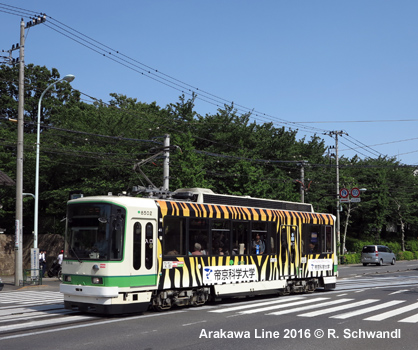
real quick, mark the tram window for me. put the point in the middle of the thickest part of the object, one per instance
(310, 239)
(199, 233)
(327, 239)
(221, 237)
(272, 228)
(317, 239)
(149, 245)
(137, 245)
(258, 237)
(240, 238)
(116, 243)
(284, 249)
(174, 240)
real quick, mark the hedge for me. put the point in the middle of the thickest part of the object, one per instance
(356, 247)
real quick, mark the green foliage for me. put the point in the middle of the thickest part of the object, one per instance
(357, 245)
(354, 258)
(394, 246)
(95, 148)
(406, 255)
(412, 245)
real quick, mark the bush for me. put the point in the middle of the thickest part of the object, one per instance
(394, 246)
(412, 245)
(407, 255)
(353, 245)
(357, 246)
(353, 258)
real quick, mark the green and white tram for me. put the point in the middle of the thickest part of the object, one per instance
(126, 254)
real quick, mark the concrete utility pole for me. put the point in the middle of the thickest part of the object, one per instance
(166, 164)
(19, 163)
(302, 180)
(337, 166)
(19, 154)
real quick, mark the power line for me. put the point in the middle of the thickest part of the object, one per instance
(174, 83)
(359, 121)
(159, 76)
(362, 146)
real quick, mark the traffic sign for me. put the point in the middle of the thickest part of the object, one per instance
(355, 200)
(344, 193)
(355, 192)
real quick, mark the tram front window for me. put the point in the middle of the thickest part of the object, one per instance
(94, 232)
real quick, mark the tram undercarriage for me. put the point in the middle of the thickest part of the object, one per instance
(166, 299)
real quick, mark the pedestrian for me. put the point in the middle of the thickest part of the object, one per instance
(60, 257)
(42, 261)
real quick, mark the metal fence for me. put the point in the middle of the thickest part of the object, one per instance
(32, 277)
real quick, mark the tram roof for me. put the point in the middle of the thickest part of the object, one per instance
(207, 196)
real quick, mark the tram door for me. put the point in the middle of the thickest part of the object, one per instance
(144, 257)
(289, 250)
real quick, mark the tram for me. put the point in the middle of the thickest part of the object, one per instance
(127, 254)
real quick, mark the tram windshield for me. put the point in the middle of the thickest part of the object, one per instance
(94, 232)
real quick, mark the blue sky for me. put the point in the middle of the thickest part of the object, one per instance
(317, 66)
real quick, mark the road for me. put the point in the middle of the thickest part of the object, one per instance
(360, 270)
(366, 305)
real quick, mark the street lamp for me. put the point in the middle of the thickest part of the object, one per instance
(69, 78)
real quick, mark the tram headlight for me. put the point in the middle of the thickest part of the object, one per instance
(97, 280)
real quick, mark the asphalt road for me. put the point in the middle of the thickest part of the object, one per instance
(369, 303)
(360, 270)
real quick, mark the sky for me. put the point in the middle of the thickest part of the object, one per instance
(321, 67)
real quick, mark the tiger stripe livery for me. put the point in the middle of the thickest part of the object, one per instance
(269, 266)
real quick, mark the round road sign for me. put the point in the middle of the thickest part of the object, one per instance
(355, 192)
(344, 193)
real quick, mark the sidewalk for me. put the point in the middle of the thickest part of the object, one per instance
(48, 284)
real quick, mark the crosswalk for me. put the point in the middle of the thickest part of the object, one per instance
(372, 309)
(28, 310)
(22, 311)
(30, 298)
(375, 282)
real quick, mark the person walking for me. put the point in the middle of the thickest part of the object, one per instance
(60, 257)
(42, 261)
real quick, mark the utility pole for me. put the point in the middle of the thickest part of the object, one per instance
(19, 153)
(19, 163)
(166, 164)
(337, 166)
(9, 59)
(302, 180)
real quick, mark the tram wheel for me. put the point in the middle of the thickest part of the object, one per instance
(160, 308)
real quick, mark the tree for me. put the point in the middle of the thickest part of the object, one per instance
(94, 147)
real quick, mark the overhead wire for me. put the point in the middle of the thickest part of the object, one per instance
(362, 146)
(159, 76)
(178, 84)
(163, 78)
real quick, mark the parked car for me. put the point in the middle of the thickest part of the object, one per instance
(377, 254)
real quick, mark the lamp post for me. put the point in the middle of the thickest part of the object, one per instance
(69, 78)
